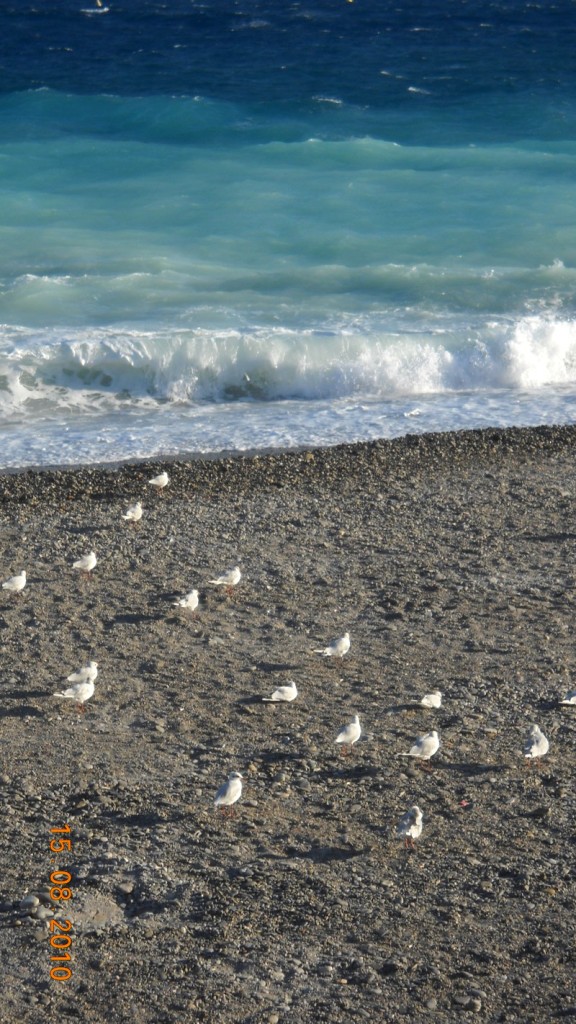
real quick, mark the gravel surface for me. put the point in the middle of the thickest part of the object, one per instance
(451, 560)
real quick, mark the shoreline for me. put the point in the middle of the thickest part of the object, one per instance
(272, 465)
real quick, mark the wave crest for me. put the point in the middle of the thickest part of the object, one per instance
(87, 370)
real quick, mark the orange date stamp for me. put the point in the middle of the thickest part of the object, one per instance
(60, 941)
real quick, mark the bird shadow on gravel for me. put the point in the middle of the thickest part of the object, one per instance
(325, 854)
(22, 694)
(23, 710)
(281, 757)
(277, 666)
(549, 538)
(398, 709)
(470, 768)
(550, 705)
(347, 772)
(161, 598)
(144, 819)
(131, 619)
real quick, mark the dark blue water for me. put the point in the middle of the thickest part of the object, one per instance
(266, 51)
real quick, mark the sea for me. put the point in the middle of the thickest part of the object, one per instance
(233, 225)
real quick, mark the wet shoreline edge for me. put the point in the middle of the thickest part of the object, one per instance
(350, 463)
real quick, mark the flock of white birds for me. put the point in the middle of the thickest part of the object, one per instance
(410, 824)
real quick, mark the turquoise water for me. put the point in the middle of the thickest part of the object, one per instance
(242, 246)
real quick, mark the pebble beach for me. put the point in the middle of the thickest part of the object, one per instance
(451, 561)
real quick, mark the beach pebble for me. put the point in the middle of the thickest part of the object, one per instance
(29, 902)
(43, 913)
(468, 1002)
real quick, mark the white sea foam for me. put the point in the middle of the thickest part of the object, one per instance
(541, 351)
(107, 394)
(101, 371)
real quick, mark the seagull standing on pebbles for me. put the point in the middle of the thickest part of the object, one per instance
(86, 674)
(570, 697)
(229, 793)
(189, 602)
(160, 482)
(16, 583)
(432, 700)
(286, 693)
(337, 649)
(536, 744)
(80, 692)
(349, 735)
(134, 513)
(425, 747)
(410, 826)
(86, 563)
(228, 579)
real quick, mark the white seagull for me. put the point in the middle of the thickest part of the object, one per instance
(432, 700)
(286, 693)
(349, 735)
(160, 482)
(86, 674)
(229, 793)
(134, 513)
(570, 697)
(336, 649)
(228, 579)
(16, 583)
(425, 747)
(536, 744)
(410, 826)
(189, 602)
(86, 563)
(80, 692)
